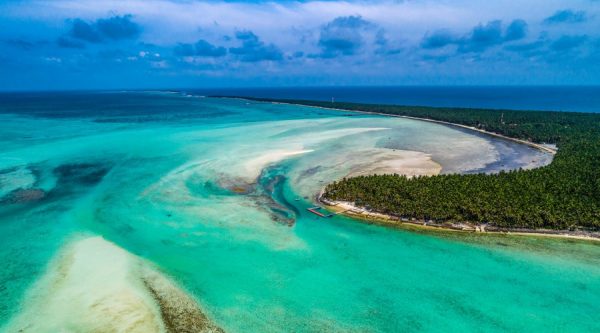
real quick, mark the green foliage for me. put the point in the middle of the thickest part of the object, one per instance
(562, 195)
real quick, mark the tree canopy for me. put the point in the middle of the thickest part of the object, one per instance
(562, 195)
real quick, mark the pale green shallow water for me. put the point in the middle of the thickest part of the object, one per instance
(154, 174)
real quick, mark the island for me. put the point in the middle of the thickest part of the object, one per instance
(563, 196)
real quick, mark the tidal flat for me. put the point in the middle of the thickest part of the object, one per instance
(206, 199)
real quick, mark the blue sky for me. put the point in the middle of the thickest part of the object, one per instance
(67, 44)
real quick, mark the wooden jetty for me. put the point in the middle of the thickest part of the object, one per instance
(315, 210)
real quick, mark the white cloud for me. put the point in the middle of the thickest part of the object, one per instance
(167, 22)
(295, 27)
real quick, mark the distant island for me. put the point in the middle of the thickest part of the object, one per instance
(564, 195)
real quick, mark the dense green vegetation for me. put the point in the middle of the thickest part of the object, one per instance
(562, 195)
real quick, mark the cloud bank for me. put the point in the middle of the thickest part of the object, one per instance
(197, 43)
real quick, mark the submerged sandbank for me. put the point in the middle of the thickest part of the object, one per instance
(548, 148)
(253, 167)
(95, 286)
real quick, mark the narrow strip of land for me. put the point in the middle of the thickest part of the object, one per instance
(361, 213)
(542, 147)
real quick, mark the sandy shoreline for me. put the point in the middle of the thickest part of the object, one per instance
(542, 147)
(350, 210)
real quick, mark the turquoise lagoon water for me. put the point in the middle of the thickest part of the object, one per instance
(214, 193)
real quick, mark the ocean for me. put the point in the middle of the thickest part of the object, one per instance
(103, 194)
(546, 98)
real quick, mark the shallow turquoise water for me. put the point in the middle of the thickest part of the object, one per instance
(214, 192)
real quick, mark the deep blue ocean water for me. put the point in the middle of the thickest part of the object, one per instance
(548, 98)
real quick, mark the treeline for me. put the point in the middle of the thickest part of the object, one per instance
(562, 195)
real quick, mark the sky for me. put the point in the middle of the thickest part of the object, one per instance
(67, 44)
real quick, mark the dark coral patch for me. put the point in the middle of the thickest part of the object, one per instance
(82, 173)
(24, 196)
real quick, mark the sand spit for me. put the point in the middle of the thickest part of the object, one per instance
(95, 286)
(380, 161)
